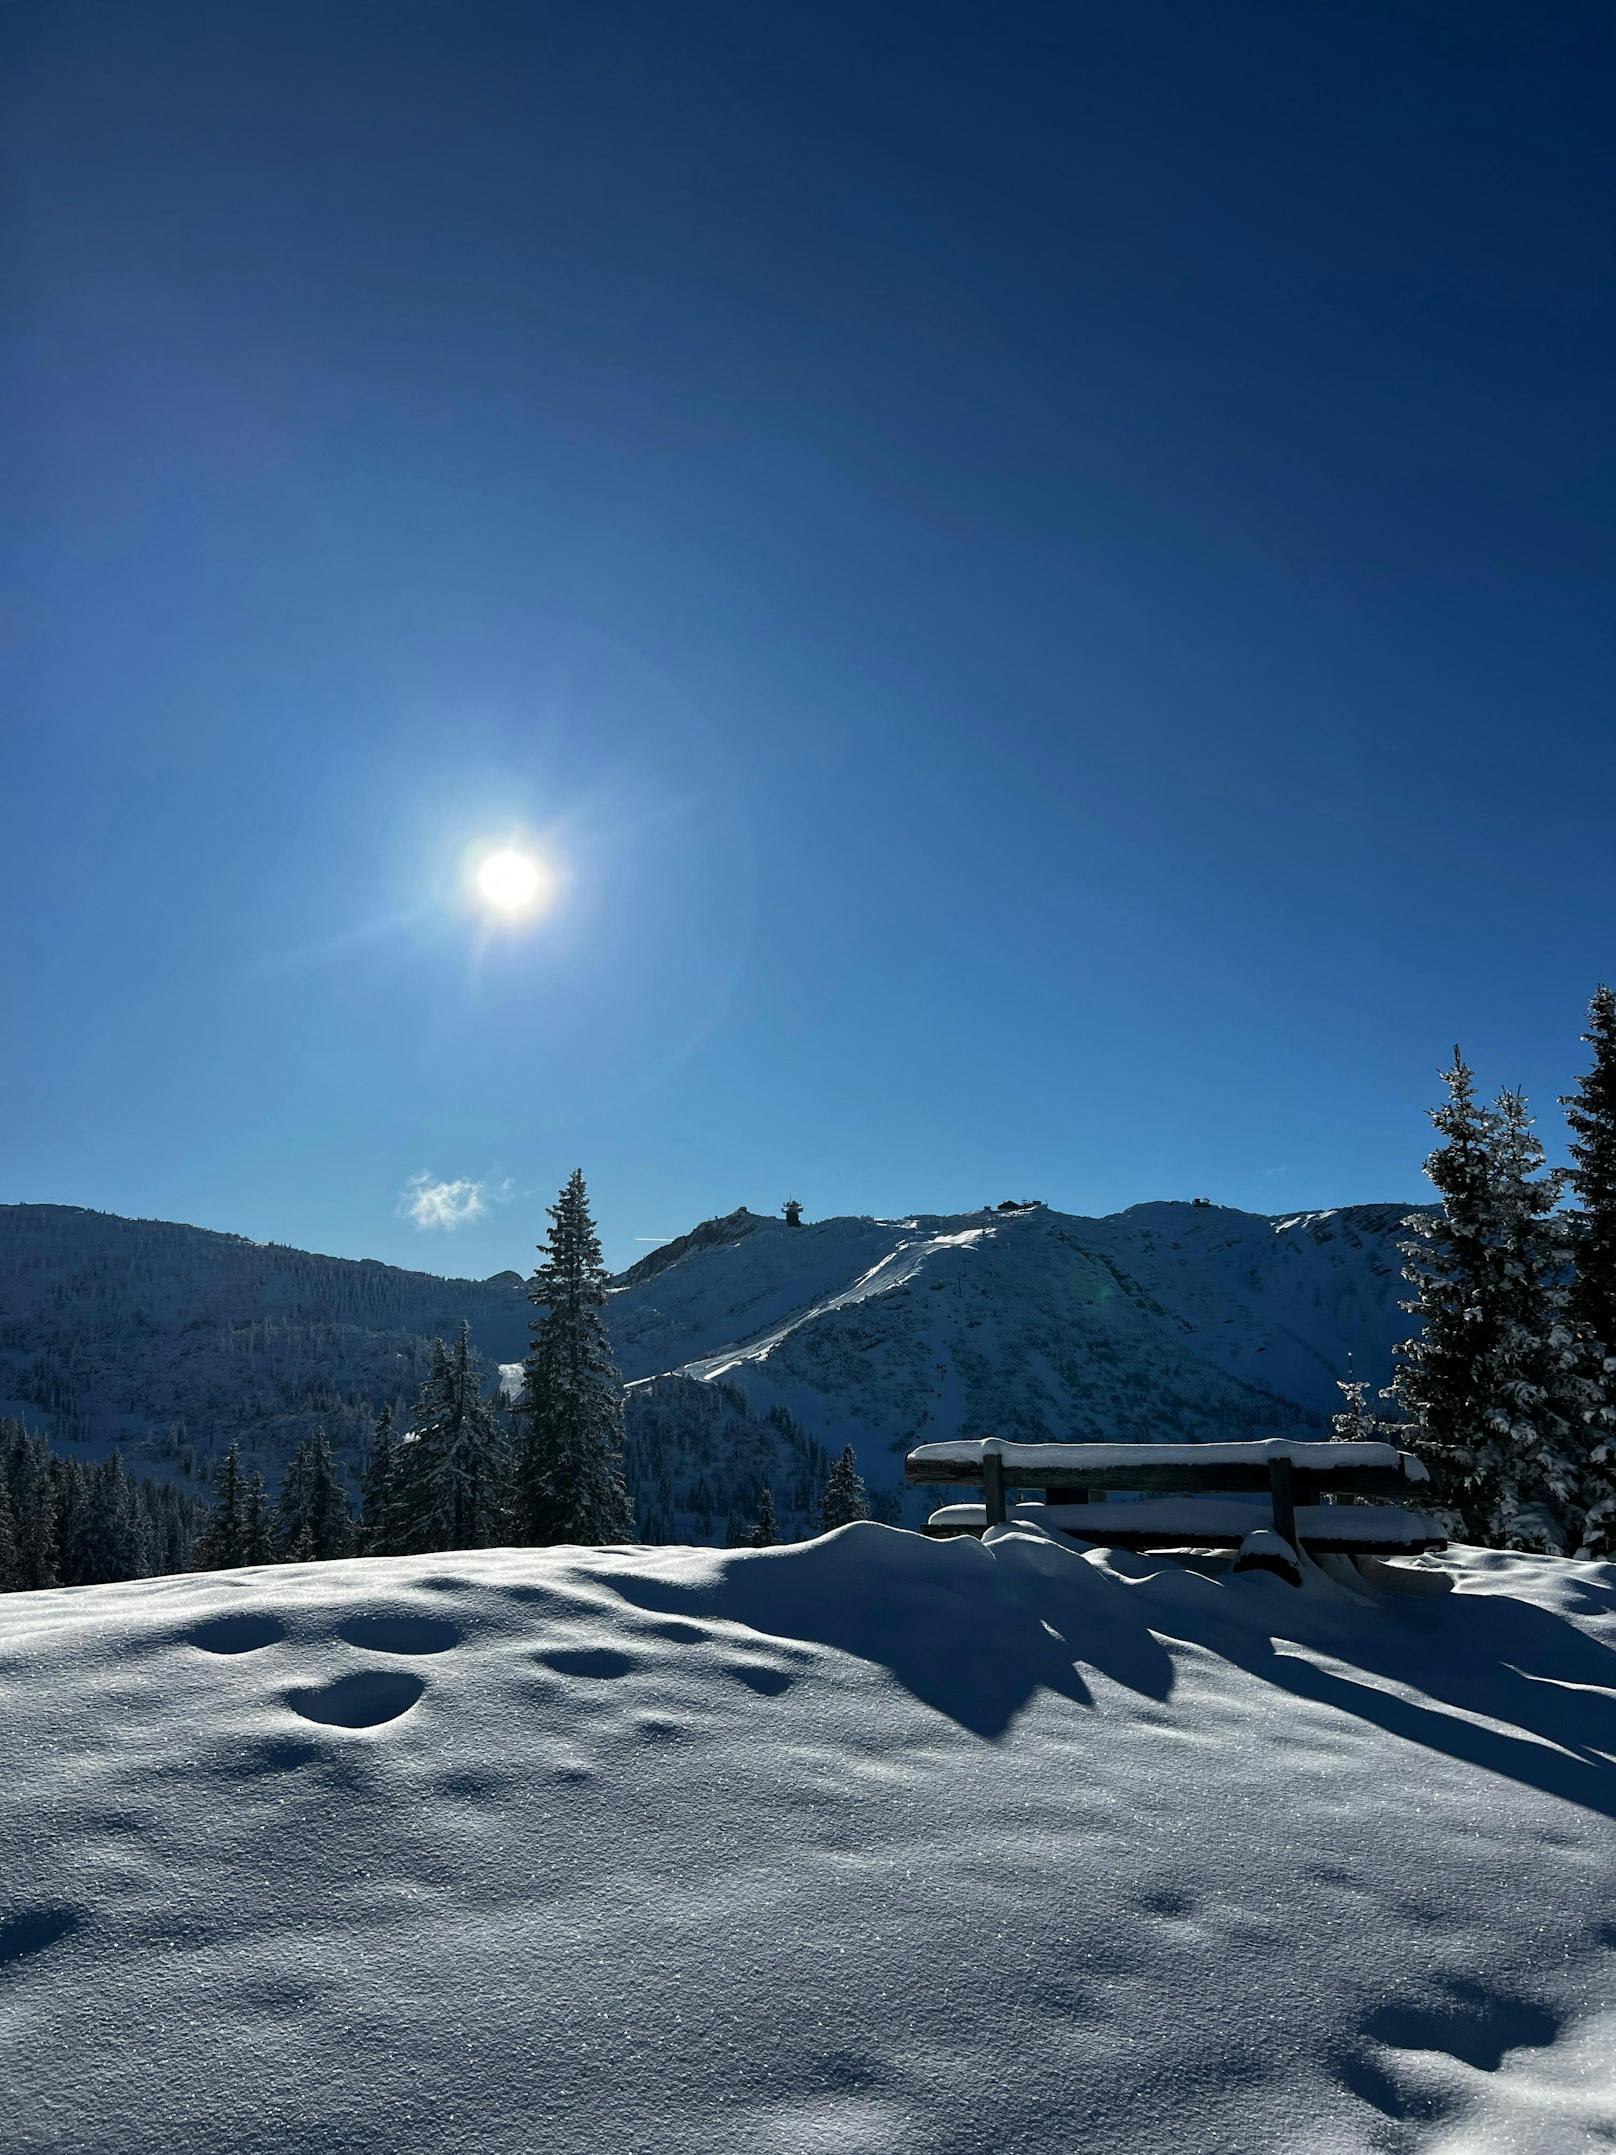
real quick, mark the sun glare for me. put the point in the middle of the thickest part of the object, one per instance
(510, 881)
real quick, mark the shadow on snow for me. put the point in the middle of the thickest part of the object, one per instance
(975, 1631)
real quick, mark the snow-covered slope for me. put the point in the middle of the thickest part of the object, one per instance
(864, 1847)
(1166, 1320)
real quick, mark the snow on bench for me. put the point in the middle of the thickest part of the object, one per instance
(1298, 1473)
(1208, 1523)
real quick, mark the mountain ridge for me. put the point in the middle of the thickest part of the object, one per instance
(751, 1347)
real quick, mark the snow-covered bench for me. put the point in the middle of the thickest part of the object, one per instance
(1188, 1496)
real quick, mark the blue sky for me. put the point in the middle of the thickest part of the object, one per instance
(1042, 575)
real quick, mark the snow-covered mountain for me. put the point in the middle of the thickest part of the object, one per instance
(1167, 1320)
(749, 1344)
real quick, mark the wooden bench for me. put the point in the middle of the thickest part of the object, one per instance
(1188, 1495)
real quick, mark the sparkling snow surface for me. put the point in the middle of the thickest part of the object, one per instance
(863, 1847)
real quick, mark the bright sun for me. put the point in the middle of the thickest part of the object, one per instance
(510, 881)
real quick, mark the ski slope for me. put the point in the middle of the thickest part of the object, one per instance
(865, 1846)
(895, 1269)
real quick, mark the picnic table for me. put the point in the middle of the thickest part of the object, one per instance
(1193, 1496)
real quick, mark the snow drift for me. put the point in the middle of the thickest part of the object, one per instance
(871, 1844)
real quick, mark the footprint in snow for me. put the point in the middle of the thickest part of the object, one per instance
(363, 1700)
(239, 1634)
(31, 1930)
(1473, 2023)
(759, 1676)
(600, 1661)
(400, 1634)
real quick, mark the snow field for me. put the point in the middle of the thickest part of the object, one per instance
(860, 1846)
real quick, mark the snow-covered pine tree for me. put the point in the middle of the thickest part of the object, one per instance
(312, 1519)
(123, 1531)
(329, 1520)
(845, 1499)
(1498, 1390)
(454, 1487)
(1440, 1383)
(219, 1545)
(766, 1533)
(1591, 1113)
(1357, 1422)
(431, 1405)
(1544, 1406)
(257, 1529)
(569, 1481)
(292, 1505)
(76, 1524)
(380, 1527)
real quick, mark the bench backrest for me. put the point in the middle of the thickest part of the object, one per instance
(1318, 1468)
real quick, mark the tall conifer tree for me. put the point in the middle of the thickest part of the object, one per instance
(1498, 1390)
(330, 1522)
(454, 1474)
(570, 1467)
(312, 1519)
(33, 1511)
(1545, 1403)
(123, 1539)
(77, 1524)
(380, 1527)
(219, 1545)
(10, 1574)
(257, 1531)
(1440, 1383)
(292, 1506)
(1591, 1113)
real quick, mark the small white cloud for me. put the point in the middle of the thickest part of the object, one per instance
(430, 1203)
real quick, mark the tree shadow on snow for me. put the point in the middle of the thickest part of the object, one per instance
(1489, 1655)
(975, 1631)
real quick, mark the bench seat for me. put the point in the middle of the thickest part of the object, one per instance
(1207, 1523)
